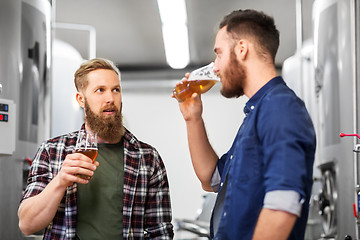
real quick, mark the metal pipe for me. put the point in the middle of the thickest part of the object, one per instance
(299, 39)
(299, 32)
(354, 39)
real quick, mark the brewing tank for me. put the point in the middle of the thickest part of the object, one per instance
(323, 74)
(25, 81)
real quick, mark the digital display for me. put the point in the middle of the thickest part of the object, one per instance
(3, 117)
(4, 107)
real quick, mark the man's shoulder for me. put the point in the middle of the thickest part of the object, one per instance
(68, 139)
(281, 97)
(134, 146)
(131, 140)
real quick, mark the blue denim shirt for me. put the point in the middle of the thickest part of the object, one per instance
(273, 150)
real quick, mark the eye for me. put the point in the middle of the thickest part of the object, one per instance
(116, 89)
(99, 90)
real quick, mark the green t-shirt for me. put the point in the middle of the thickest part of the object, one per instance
(100, 202)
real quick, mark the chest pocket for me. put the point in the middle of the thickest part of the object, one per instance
(246, 165)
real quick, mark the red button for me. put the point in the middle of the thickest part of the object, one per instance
(1, 117)
(354, 209)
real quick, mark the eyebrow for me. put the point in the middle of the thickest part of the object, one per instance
(104, 86)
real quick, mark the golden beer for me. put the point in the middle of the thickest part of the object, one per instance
(186, 89)
(91, 153)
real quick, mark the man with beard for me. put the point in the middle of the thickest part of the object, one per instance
(264, 181)
(127, 196)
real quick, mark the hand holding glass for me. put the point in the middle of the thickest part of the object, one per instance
(199, 81)
(87, 145)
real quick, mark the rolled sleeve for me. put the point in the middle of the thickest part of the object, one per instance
(288, 201)
(215, 180)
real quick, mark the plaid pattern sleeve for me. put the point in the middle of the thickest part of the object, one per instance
(45, 166)
(39, 176)
(147, 208)
(158, 209)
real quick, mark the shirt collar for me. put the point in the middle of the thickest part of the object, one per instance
(251, 104)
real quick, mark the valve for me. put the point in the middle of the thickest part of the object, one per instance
(349, 135)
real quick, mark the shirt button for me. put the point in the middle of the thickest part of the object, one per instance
(224, 214)
(252, 107)
(231, 157)
(221, 184)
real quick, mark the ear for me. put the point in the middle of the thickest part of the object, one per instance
(80, 99)
(241, 49)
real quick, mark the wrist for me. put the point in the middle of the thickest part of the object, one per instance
(59, 184)
(194, 120)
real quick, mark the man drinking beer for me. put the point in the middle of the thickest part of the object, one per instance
(264, 181)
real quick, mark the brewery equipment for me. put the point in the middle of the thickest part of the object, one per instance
(25, 60)
(7, 126)
(324, 73)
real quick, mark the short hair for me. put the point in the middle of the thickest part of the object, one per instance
(88, 66)
(256, 25)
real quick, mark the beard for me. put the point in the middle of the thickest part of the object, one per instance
(109, 128)
(233, 78)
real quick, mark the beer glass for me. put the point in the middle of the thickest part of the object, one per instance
(199, 81)
(87, 144)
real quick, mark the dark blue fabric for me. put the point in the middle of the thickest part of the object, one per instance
(273, 150)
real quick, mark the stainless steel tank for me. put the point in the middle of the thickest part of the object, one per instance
(330, 89)
(25, 60)
(334, 67)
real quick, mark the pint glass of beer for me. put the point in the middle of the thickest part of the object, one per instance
(199, 81)
(87, 144)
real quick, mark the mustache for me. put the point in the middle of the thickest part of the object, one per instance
(110, 107)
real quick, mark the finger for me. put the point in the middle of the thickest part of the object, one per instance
(74, 160)
(82, 171)
(68, 179)
(194, 95)
(87, 169)
(79, 179)
(80, 156)
(70, 174)
(182, 81)
(73, 167)
(173, 93)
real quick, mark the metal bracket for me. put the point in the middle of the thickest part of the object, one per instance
(357, 148)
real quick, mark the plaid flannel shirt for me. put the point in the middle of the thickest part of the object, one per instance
(146, 201)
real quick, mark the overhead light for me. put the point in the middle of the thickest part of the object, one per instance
(175, 32)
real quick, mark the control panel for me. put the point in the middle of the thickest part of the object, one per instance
(7, 126)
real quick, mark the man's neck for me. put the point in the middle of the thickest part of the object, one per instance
(257, 78)
(100, 140)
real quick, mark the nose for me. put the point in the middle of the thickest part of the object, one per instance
(109, 99)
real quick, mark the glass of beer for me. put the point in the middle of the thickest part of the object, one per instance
(199, 81)
(87, 144)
